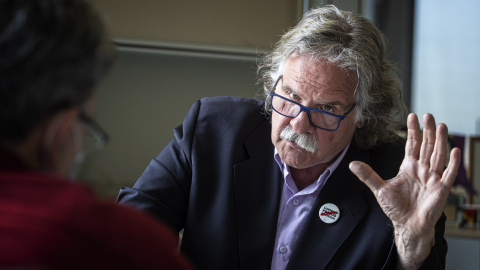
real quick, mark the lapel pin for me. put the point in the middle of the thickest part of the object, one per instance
(329, 213)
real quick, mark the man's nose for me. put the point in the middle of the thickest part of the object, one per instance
(301, 124)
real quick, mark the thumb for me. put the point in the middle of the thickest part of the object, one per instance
(367, 175)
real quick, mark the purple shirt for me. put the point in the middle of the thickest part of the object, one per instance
(294, 208)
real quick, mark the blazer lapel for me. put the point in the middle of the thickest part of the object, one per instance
(258, 184)
(320, 241)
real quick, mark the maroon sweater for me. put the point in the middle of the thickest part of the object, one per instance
(49, 222)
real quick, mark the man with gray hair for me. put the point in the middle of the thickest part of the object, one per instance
(336, 107)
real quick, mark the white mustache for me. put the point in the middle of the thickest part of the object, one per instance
(307, 142)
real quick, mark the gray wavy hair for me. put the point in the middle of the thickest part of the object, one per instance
(357, 46)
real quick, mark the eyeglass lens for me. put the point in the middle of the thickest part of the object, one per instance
(94, 139)
(290, 109)
(92, 143)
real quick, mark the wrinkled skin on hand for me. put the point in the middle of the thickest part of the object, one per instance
(415, 198)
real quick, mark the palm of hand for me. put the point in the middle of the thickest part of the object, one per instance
(414, 199)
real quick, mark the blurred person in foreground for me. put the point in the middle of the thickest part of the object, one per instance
(283, 192)
(52, 53)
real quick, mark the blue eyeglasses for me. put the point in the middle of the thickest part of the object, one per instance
(318, 118)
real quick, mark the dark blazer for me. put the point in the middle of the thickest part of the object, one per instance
(218, 180)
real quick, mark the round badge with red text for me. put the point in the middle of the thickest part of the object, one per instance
(329, 213)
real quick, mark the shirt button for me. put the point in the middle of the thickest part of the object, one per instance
(296, 202)
(283, 249)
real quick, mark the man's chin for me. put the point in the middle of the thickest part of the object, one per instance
(298, 165)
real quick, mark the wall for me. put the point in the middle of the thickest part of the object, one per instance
(169, 54)
(236, 23)
(145, 96)
(462, 253)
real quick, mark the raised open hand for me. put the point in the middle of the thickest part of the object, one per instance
(415, 198)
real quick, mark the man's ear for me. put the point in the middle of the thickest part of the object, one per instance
(57, 140)
(359, 124)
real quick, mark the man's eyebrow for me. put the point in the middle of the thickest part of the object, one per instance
(287, 88)
(290, 90)
(331, 103)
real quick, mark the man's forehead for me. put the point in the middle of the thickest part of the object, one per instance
(302, 73)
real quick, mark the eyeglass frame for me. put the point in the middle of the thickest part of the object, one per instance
(307, 109)
(95, 128)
